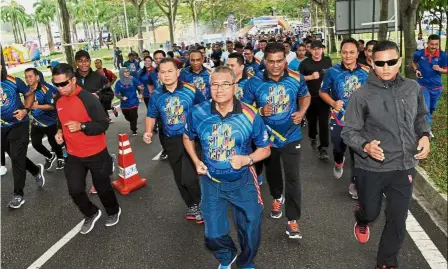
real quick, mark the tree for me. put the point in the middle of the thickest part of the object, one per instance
(44, 13)
(324, 6)
(14, 13)
(153, 16)
(138, 4)
(66, 32)
(169, 8)
(408, 9)
(196, 9)
(384, 12)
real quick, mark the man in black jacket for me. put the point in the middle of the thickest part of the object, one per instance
(385, 123)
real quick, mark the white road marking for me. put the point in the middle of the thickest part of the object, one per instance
(157, 157)
(429, 251)
(56, 247)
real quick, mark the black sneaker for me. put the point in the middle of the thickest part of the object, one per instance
(303, 123)
(40, 178)
(50, 161)
(115, 111)
(164, 155)
(156, 129)
(323, 155)
(89, 223)
(60, 164)
(134, 133)
(314, 144)
(113, 219)
(16, 202)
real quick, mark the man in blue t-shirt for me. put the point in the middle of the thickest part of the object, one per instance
(197, 74)
(15, 133)
(227, 129)
(283, 98)
(252, 65)
(339, 83)
(429, 65)
(171, 104)
(132, 64)
(43, 120)
(300, 56)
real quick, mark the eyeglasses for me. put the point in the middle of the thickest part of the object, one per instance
(61, 84)
(224, 86)
(389, 63)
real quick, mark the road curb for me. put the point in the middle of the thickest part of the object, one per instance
(435, 201)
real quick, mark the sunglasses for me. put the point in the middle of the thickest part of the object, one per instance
(389, 63)
(61, 84)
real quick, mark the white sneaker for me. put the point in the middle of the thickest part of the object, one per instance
(3, 170)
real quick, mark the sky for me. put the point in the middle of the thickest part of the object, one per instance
(28, 5)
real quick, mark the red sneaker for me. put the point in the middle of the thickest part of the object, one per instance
(362, 234)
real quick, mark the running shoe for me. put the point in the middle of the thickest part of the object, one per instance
(89, 223)
(352, 191)
(292, 230)
(16, 202)
(3, 170)
(113, 219)
(50, 161)
(276, 211)
(362, 233)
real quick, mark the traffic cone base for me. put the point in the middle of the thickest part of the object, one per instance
(128, 177)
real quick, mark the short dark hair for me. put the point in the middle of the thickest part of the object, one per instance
(146, 57)
(286, 42)
(32, 69)
(200, 48)
(433, 37)
(349, 40)
(168, 60)
(385, 45)
(301, 45)
(307, 41)
(145, 51)
(238, 45)
(274, 47)
(81, 53)
(272, 40)
(196, 51)
(238, 56)
(248, 47)
(229, 42)
(160, 51)
(263, 41)
(63, 69)
(361, 41)
(371, 43)
(170, 53)
(99, 60)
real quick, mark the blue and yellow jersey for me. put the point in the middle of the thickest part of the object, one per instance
(43, 95)
(200, 80)
(10, 101)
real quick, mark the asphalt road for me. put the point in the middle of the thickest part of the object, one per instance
(153, 233)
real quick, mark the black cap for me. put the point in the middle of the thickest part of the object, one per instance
(317, 44)
(81, 53)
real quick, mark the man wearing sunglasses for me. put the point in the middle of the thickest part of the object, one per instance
(429, 65)
(386, 126)
(226, 129)
(283, 98)
(337, 87)
(82, 125)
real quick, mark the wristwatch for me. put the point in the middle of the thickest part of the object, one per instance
(251, 160)
(83, 126)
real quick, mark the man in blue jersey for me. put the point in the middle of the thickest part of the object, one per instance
(15, 133)
(171, 103)
(197, 74)
(338, 85)
(43, 122)
(279, 93)
(154, 83)
(252, 65)
(226, 129)
(429, 65)
(300, 56)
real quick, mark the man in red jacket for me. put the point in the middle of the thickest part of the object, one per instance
(82, 125)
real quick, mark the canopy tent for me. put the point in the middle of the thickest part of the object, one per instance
(265, 21)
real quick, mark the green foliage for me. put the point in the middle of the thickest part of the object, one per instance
(45, 11)
(55, 53)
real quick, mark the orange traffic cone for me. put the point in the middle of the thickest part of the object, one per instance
(128, 178)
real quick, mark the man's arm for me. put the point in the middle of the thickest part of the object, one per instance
(149, 124)
(354, 123)
(95, 110)
(113, 76)
(421, 124)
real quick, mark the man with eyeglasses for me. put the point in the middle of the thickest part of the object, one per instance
(283, 98)
(314, 69)
(386, 126)
(226, 129)
(429, 65)
(82, 123)
(197, 74)
(337, 87)
(171, 103)
(252, 64)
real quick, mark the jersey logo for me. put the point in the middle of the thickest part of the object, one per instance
(351, 84)
(239, 92)
(250, 71)
(4, 101)
(198, 82)
(278, 99)
(221, 143)
(174, 111)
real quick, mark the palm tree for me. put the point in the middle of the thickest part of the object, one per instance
(66, 32)
(14, 13)
(45, 11)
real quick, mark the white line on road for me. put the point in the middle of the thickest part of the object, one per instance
(429, 251)
(56, 247)
(157, 157)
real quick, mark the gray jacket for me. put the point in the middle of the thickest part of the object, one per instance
(392, 112)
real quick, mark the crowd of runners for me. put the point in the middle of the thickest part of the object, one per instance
(228, 118)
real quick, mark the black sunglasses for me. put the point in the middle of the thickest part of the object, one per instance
(62, 84)
(389, 63)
